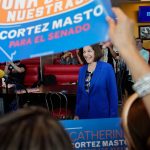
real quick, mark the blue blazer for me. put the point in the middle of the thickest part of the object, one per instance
(102, 99)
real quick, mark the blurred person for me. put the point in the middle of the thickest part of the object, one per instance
(97, 90)
(110, 54)
(78, 56)
(68, 58)
(121, 34)
(136, 122)
(143, 52)
(32, 129)
(14, 77)
(16, 71)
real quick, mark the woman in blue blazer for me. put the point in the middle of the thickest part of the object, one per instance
(97, 91)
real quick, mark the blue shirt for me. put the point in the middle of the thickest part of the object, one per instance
(102, 99)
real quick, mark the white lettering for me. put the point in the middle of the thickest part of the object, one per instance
(87, 13)
(3, 35)
(68, 21)
(22, 32)
(18, 4)
(83, 144)
(79, 2)
(29, 29)
(48, 1)
(104, 143)
(30, 14)
(111, 143)
(77, 145)
(57, 24)
(69, 4)
(21, 15)
(22, 10)
(87, 144)
(45, 27)
(11, 16)
(49, 8)
(98, 144)
(97, 11)
(148, 13)
(32, 3)
(78, 18)
(58, 6)
(39, 12)
(7, 4)
(12, 34)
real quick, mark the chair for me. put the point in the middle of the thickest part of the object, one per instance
(57, 104)
(63, 73)
(32, 75)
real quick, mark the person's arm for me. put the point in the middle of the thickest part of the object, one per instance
(121, 34)
(110, 48)
(6, 70)
(67, 54)
(17, 68)
(78, 57)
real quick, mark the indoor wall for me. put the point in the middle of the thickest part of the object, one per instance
(131, 9)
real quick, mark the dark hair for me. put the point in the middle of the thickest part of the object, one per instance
(97, 52)
(17, 61)
(139, 39)
(30, 129)
(136, 124)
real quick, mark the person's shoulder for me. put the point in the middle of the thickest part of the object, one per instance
(145, 50)
(105, 64)
(102, 63)
(83, 67)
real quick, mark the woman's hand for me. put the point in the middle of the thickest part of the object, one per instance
(121, 30)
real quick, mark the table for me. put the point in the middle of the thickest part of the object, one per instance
(36, 96)
(69, 89)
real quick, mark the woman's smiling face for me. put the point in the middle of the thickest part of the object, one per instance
(88, 54)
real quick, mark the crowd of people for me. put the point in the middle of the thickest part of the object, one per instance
(96, 97)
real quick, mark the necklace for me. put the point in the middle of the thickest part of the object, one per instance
(91, 67)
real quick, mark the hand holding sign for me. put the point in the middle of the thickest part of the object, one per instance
(121, 33)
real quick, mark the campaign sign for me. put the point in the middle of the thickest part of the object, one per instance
(96, 134)
(31, 28)
(144, 14)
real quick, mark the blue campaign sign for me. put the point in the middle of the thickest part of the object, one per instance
(40, 27)
(96, 134)
(144, 14)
